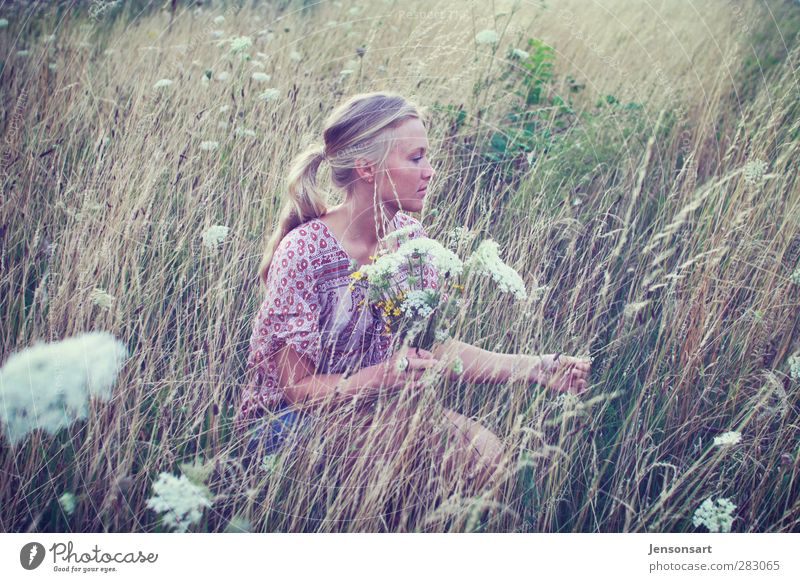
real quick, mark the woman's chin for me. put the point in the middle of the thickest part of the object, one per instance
(412, 204)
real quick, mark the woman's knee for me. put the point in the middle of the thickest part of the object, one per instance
(487, 450)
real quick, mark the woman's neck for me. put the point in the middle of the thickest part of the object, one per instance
(360, 221)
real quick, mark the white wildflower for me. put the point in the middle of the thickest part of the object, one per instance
(257, 64)
(567, 401)
(520, 54)
(346, 72)
(161, 83)
(260, 77)
(794, 366)
(795, 276)
(52, 66)
(487, 37)
(486, 260)
(269, 463)
(457, 366)
(401, 233)
(240, 44)
(67, 502)
(222, 124)
(50, 38)
(101, 298)
(754, 172)
(222, 76)
(219, 19)
(214, 235)
(180, 501)
(727, 438)
(245, 132)
(444, 260)
(269, 95)
(420, 303)
(23, 53)
(441, 335)
(3, 23)
(715, 516)
(209, 145)
(261, 55)
(48, 385)
(380, 272)
(460, 235)
(295, 56)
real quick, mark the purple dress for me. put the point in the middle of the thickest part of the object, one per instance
(309, 306)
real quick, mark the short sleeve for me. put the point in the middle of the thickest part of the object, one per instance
(290, 312)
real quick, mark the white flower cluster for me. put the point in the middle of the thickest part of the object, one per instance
(214, 235)
(486, 260)
(487, 37)
(102, 298)
(162, 83)
(420, 303)
(794, 366)
(260, 77)
(269, 95)
(754, 172)
(209, 145)
(445, 261)
(520, 54)
(716, 516)
(457, 366)
(68, 502)
(48, 385)
(180, 501)
(795, 276)
(240, 44)
(400, 233)
(460, 235)
(727, 438)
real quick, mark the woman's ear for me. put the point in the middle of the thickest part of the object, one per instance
(364, 169)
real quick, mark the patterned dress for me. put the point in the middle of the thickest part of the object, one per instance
(309, 306)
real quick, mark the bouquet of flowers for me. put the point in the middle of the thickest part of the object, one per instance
(422, 311)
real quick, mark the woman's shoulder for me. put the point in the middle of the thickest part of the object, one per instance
(303, 237)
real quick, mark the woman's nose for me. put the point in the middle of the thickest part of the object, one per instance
(429, 172)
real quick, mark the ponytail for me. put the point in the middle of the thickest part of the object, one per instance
(306, 201)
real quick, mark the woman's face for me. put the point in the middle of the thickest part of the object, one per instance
(403, 183)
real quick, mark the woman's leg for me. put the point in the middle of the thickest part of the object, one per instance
(484, 449)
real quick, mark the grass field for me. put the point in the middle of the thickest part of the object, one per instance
(636, 162)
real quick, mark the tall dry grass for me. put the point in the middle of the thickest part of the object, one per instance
(650, 247)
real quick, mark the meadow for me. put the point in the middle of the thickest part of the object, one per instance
(636, 163)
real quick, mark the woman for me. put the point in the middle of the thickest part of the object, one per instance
(315, 339)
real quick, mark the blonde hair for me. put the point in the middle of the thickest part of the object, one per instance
(351, 131)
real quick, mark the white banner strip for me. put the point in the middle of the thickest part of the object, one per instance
(371, 557)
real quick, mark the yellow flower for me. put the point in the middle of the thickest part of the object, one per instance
(357, 275)
(457, 286)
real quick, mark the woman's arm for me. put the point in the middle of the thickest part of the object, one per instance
(483, 366)
(303, 388)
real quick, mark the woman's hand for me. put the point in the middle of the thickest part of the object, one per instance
(562, 373)
(407, 366)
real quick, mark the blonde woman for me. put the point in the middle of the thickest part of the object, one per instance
(312, 340)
